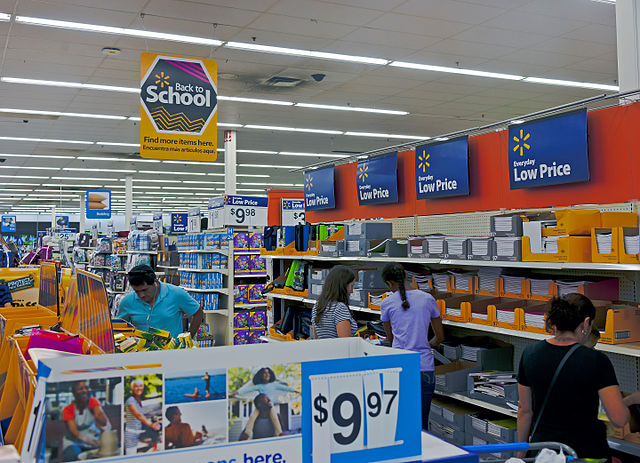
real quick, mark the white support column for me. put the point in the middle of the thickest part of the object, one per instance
(628, 41)
(230, 162)
(53, 217)
(128, 200)
(82, 213)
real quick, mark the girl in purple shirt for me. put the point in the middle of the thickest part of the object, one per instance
(406, 316)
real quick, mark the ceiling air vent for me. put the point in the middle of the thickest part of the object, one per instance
(282, 81)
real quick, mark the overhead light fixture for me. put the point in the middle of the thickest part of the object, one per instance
(197, 163)
(272, 184)
(65, 185)
(268, 166)
(305, 53)
(17, 189)
(108, 143)
(351, 108)
(254, 190)
(190, 188)
(21, 184)
(5, 17)
(255, 100)
(27, 176)
(203, 182)
(517, 121)
(386, 135)
(292, 129)
(256, 151)
(155, 172)
(153, 180)
(55, 83)
(85, 169)
(41, 156)
(134, 118)
(87, 179)
(90, 158)
(468, 72)
(441, 139)
(117, 31)
(58, 113)
(29, 167)
(570, 83)
(47, 140)
(312, 155)
(228, 124)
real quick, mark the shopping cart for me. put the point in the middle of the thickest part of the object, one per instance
(512, 448)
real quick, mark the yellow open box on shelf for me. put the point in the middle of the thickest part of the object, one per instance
(524, 291)
(470, 289)
(498, 288)
(452, 306)
(507, 313)
(553, 292)
(570, 249)
(618, 219)
(573, 222)
(610, 257)
(621, 323)
(482, 314)
(383, 294)
(533, 314)
(623, 256)
(281, 337)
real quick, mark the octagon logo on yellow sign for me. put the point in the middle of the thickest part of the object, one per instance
(178, 108)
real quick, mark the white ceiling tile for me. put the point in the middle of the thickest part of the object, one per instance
(418, 25)
(203, 28)
(472, 49)
(597, 66)
(253, 5)
(320, 11)
(200, 13)
(381, 5)
(586, 49)
(322, 29)
(594, 33)
(67, 12)
(408, 41)
(498, 36)
(131, 6)
(373, 50)
(535, 23)
(450, 10)
(542, 58)
(522, 68)
(431, 57)
(281, 38)
(593, 12)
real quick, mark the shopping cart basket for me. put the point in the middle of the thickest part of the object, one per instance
(512, 448)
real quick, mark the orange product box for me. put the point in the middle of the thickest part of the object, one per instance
(468, 289)
(574, 222)
(453, 307)
(383, 293)
(534, 316)
(610, 257)
(498, 288)
(482, 310)
(570, 249)
(508, 313)
(623, 256)
(621, 323)
(618, 219)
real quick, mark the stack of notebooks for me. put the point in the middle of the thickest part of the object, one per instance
(487, 277)
(535, 319)
(540, 286)
(376, 299)
(632, 244)
(455, 246)
(603, 241)
(463, 280)
(440, 281)
(503, 224)
(470, 353)
(436, 244)
(567, 287)
(513, 283)
(505, 245)
(450, 350)
(550, 244)
(479, 246)
(492, 383)
(506, 316)
(421, 279)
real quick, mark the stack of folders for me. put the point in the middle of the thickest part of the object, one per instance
(421, 279)
(436, 244)
(535, 319)
(479, 246)
(487, 277)
(376, 299)
(540, 286)
(455, 245)
(567, 287)
(480, 315)
(440, 281)
(462, 280)
(506, 316)
(632, 244)
(470, 353)
(494, 427)
(457, 311)
(603, 241)
(550, 244)
(492, 383)
(505, 246)
(450, 350)
(512, 283)
(503, 224)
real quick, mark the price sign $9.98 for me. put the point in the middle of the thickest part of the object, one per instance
(353, 411)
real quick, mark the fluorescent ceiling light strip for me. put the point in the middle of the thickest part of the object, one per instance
(272, 184)
(386, 135)
(82, 169)
(267, 165)
(155, 172)
(228, 124)
(117, 30)
(42, 156)
(292, 129)
(134, 118)
(314, 155)
(88, 179)
(16, 189)
(29, 167)
(107, 143)
(27, 176)
(21, 184)
(305, 53)
(154, 180)
(204, 182)
(198, 163)
(89, 158)
(5, 17)
(256, 151)
(48, 140)
(570, 83)
(56, 83)
(255, 100)
(468, 72)
(190, 188)
(58, 113)
(72, 185)
(517, 121)
(351, 108)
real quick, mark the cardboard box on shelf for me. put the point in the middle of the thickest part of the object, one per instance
(569, 249)
(452, 377)
(368, 230)
(604, 245)
(628, 245)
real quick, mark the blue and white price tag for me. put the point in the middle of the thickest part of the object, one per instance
(354, 411)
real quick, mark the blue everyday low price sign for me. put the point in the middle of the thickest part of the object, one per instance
(549, 151)
(377, 180)
(319, 192)
(179, 222)
(442, 169)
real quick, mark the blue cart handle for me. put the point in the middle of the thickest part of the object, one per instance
(496, 447)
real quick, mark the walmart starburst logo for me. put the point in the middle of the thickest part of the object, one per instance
(286, 204)
(362, 172)
(308, 182)
(520, 142)
(162, 80)
(424, 161)
(177, 219)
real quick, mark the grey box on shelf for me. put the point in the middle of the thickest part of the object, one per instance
(453, 413)
(452, 251)
(510, 251)
(416, 247)
(368, 230)
(484, 423)
(360, 297)
(369, 279)
(506, 225)
(392, 248)
(510, 394)
(451, 435)
(452, 377)
(434, 247)
(331, 248)
(355, 247)
(315, 288)
(480, 249)
(497, 356)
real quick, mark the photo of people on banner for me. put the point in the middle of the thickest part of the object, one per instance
(143, 414)
(83, 420)
(264, 402)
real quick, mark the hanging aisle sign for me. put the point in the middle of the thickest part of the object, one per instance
(194, 224)
(238, 210)
(442, 169)
(319, 190)
(98, 204)
(377, 180)
(549, 151)
(8, 224)
(157, 222)
(179, 222)
(292, 212)
(178, 108)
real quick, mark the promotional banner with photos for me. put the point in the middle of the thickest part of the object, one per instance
(143, 414)
(264, 401)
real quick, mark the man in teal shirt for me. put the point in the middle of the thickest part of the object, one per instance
(158, 305)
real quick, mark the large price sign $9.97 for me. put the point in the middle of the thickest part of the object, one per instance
(353, 411)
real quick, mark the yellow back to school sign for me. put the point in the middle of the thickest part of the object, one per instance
(178, 107)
